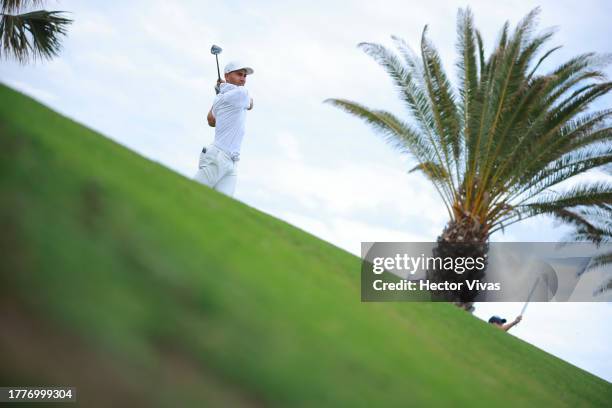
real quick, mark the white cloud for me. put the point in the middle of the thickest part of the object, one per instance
(90, 25)
(289, 146)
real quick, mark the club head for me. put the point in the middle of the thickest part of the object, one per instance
(215, 49)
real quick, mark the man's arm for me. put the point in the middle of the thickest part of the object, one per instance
(510, 325)
(211, 118)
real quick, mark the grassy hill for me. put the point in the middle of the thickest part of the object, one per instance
(142, 288)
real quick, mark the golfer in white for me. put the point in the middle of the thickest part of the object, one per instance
(218, 162)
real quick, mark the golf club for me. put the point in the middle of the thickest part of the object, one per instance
(530, 294)
(216, 50)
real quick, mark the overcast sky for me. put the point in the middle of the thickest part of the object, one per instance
(141, 73)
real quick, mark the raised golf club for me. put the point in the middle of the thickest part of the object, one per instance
(216, 50)
(529, 297)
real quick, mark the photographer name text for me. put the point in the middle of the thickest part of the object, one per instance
(426, 285)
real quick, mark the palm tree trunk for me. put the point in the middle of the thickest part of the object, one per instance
(460, 239)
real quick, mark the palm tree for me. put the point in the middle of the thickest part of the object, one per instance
(495, 148)
(32, 35)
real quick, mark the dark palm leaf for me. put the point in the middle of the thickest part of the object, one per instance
(595, 195)
(433, 171)
(13, 6)
(34, 35)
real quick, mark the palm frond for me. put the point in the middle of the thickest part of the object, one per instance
(544, 141)
(593, 202)
(551, 140)
(601, 260)
(13, 6)
(487, 84)
(35, 35)
(585, 229)
(515, 111)
(541, 60)
(583, 150)
(432, 170)
(481, 58)
(468, 71)
(596, 194)
(524, 193)
(565, 168)
(442, 101)
(407, 79)
(507, 87)
(398, 134)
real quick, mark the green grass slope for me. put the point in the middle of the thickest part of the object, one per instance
(142, 288)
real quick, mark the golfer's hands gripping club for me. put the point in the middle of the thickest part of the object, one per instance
(218, 86)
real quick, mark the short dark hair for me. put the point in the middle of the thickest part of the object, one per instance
(497, 320)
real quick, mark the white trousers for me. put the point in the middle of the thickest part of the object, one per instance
(217, 170)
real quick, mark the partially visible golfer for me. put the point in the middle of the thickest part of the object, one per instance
(501, 323)
(218, 162)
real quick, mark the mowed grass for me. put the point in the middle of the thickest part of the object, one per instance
(142, 288)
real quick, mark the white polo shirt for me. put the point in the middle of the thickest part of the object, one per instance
(229, 109)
